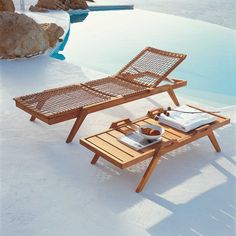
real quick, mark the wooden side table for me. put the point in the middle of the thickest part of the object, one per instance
(107, 146)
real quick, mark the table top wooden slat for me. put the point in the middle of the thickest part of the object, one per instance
(111, 137)
(109, 148)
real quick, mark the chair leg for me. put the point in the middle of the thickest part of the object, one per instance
(39, 106)
(76, 126)
(148, 173)
(173, 96)
(32, 118)
(214, 142)
(95, 159)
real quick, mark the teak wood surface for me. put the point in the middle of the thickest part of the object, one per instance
(106, 145)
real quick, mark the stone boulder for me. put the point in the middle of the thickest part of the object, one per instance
(78, 4)
(53, 4)
(7, 5)
(1, 6)
(37, 9)
(53, 31)
(21, 36)
(62, 4)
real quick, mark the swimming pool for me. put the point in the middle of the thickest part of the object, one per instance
(105, 41)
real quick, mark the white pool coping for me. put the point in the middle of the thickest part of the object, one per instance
(49, 187)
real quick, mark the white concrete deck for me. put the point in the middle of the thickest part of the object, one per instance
(49, 187)
(61, 18)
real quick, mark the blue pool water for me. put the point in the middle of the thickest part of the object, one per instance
(106, 41)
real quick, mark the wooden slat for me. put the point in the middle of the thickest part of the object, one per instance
(125, 130)
(109, 157)
(107, 147)
(140, 122)
(111, 139)
(115, 133)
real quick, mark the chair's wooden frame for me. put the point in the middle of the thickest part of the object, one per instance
(80, 113)
(106, 145)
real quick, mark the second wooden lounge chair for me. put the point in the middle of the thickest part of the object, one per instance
(140, 78)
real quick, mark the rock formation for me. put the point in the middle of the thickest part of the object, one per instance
(37, 9)
(53, 31)
(1, 6)
(61, 4)
(78, 4)
(7, 5)
(53, 4)
(21, 36)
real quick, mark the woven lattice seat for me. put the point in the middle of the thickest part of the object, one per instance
(115, 87)
(138, 79)
(61, 100)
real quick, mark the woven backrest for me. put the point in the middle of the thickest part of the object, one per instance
(153, 64)
(112, 86)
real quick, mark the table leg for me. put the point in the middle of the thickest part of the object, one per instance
(32, 118)
(148, 173)
(95, 158)
(213, 140)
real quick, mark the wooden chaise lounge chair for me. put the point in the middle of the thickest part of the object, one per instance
(140, 78)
